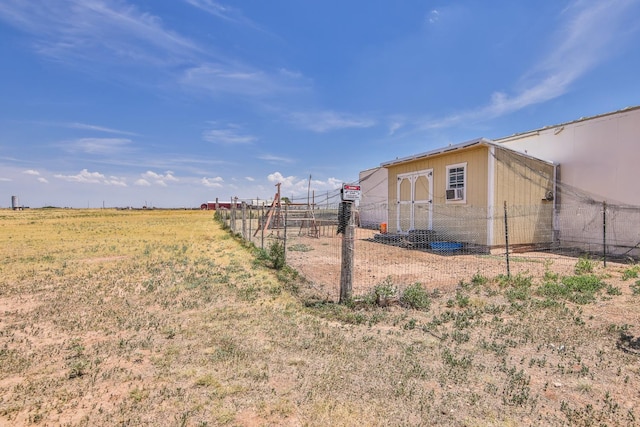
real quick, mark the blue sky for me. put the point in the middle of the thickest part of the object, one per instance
(173, 103)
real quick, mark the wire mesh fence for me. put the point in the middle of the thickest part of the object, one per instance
(439, 247)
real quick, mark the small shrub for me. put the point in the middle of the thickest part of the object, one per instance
(613, 290)
(583, 266)
(635, 288)
(479, 280)
(630, 273)
(410, 325)
(341, 312)
(276, 255)
(550, 276)
(578, 289)
(415, 296)
(516, 390)
(450, 360)
(383, 293)
(77, 369)
(462, 300)
(519, 287)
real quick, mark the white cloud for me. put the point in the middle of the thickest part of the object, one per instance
(325, 121)
(222, 11)
(212, 182)
(585, 39)
(87, 177)
(158, 179)
(84, 176)
(98, 128)
(43, 180)
(278, 177)
(249, 178)
(114, 180)
(395, 125)
(298, 187)
(245, 81)
(434, 16)
(31, 172)
(99, 145)
(142, 183)
(92, 34)
(80, 30)
(6, 180)
(232, 135)
(275, 159)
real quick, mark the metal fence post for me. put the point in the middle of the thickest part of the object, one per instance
(506, 238)
(262, 227)
(604, 232)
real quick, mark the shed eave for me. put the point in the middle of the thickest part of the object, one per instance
(457, 147)
(436, 152)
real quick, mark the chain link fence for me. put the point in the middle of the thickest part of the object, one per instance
(442, 249)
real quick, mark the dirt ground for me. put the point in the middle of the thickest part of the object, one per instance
(319, 260)
(163, 318)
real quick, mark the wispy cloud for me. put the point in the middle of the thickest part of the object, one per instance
(232, 134)
(223, 11)
(396, 123)
(94, 29)
(85, 126)
(584, 39)
(326, 121)
(433, 16)
(87, 33)
(87, 177)
(99, 145)
(220, 79)
(275, 159)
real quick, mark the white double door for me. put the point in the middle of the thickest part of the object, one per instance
(415, 201)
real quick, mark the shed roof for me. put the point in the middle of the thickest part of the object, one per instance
(458, 147)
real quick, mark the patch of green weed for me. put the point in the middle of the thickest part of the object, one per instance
(415, 296)
(583, 266)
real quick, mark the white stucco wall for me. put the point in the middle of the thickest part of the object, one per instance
(374, 198)
(599, 161)
(599, 156)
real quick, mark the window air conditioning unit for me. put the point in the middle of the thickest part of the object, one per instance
(455, 194)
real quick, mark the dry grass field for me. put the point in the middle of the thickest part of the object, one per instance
(163, 318)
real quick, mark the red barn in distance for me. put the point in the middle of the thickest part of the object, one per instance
(252, 203)
(211, 206)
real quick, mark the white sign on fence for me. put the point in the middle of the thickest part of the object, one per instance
(350, 192)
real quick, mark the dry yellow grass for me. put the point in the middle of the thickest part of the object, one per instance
(162, 318)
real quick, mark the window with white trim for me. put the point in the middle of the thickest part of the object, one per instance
(456, 183)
